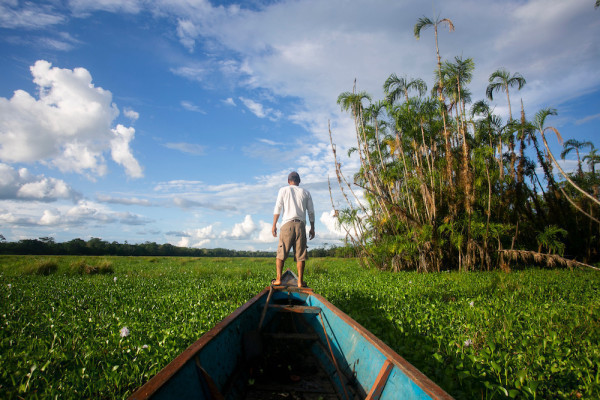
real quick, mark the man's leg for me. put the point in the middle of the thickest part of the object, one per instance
(279, 266)
(300, 252)
(282, 251)
(300, 267)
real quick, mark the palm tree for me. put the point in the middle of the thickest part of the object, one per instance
(597, 4)
(421, 24)
(539, 120)
(424, 23)
(456, 75)
(500, 80)
(550, 239)
(592, 159)
(372, 114)
(526, 131)
(395, 87)
(353, 101)
(573, 144)
(487, 129)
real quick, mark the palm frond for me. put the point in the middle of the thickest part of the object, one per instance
(422, 23)
(538, 258)
(541, 115)
(493, 87)
(449, 22)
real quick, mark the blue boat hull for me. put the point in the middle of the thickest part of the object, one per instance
(357, 363)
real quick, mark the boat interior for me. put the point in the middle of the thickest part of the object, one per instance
(288, 355)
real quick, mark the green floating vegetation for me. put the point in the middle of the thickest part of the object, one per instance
(532, 334)
(42, 267)
(81, 267)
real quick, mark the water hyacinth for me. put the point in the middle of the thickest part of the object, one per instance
(51, 313)
(124, 332)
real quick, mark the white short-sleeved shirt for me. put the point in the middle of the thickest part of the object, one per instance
(296, 202)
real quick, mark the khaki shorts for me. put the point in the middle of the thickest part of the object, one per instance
(292, 234)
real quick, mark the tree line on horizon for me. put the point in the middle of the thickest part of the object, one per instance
(99, 247)
(448, 184)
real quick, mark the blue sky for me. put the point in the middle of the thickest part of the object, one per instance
(177, 121)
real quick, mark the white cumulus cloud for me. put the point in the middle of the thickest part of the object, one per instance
(198, 237)
(265, 234)
(67, 126)
(243, 230)
(121, 153)
(21, 184)
(85, 214)
(50, 217)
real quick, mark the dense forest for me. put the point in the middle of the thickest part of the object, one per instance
(448, 184)
(99, 247)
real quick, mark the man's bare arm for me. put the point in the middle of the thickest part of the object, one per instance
(274, 228)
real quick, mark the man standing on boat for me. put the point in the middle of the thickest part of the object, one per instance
(296, 202)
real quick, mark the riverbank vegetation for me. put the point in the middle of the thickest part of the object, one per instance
(446, 183)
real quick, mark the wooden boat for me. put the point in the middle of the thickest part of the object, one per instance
(289, 343)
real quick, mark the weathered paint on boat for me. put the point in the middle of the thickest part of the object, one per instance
(363, 367)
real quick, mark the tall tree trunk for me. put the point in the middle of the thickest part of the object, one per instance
(447, 139)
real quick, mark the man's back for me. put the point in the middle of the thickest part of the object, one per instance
(295, 202)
